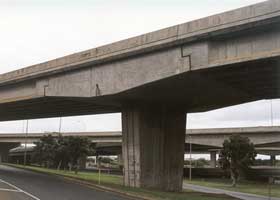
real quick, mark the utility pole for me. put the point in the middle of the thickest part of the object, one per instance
(60, 124)
(25, 143)
(190, 173)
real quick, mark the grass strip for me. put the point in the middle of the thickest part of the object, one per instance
(258, 188)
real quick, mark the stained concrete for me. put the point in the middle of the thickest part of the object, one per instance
(153, 147)
(213, 159)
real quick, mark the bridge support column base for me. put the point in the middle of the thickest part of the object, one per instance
(153, 147)
(272, 160)
(213, 159)
(120, 159)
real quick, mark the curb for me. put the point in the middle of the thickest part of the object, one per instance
(89, 184)
(108, 189)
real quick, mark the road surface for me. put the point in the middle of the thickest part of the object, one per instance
(18, 184)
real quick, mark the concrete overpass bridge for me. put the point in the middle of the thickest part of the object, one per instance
(154, 80)
(212, 137)
(96, 137)
(265, 139)
(260, 136)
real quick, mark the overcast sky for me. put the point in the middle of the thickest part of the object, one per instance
(33, 31)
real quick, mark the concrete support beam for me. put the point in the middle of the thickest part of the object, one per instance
(213, 159)
(120, 159)
(153, 147)
(272, 160)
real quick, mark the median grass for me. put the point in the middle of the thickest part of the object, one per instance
(259, 188)
(116, 182)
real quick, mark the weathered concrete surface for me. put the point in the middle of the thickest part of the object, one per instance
(204, 64)
(153, 147)
(213, 159)
(258, 14)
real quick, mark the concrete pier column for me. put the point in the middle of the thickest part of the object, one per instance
(153, 147)
(213, 159)
(120, 159)
(272, 160)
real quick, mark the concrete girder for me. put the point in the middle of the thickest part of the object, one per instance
(173, 65)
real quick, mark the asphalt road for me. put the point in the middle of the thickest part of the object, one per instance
(18, 184)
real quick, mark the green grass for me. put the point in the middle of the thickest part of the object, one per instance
(87, 176)
(251, 187)
(185, 195)
(115, 182)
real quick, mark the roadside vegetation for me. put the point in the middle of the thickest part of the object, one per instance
(62, 152)
(252, 187)
(235, 159)
(237, 156)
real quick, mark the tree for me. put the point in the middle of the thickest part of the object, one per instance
(78, 148)
(44, 151)
(237, 155)
(62, 156)
(61, 151)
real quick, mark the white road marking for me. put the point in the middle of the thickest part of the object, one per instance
(20, 190)
(9, 190)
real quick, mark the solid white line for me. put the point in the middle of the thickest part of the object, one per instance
(9, 190)
(28, 194)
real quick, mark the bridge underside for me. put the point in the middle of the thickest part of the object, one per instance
(152, 112)
(198, 90)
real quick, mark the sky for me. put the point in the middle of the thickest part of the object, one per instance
(34, 31)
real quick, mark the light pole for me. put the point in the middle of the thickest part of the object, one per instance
(25, 143)
(190, 173)
(60, 124)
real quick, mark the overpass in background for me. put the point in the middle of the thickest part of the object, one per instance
(155, 79)
(265, 139)
(212, 137)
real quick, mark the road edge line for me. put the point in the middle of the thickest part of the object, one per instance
(27, 193)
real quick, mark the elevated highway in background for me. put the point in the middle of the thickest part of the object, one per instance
(265, 139)
(155, 79)
(260, 136)
(96, 137)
